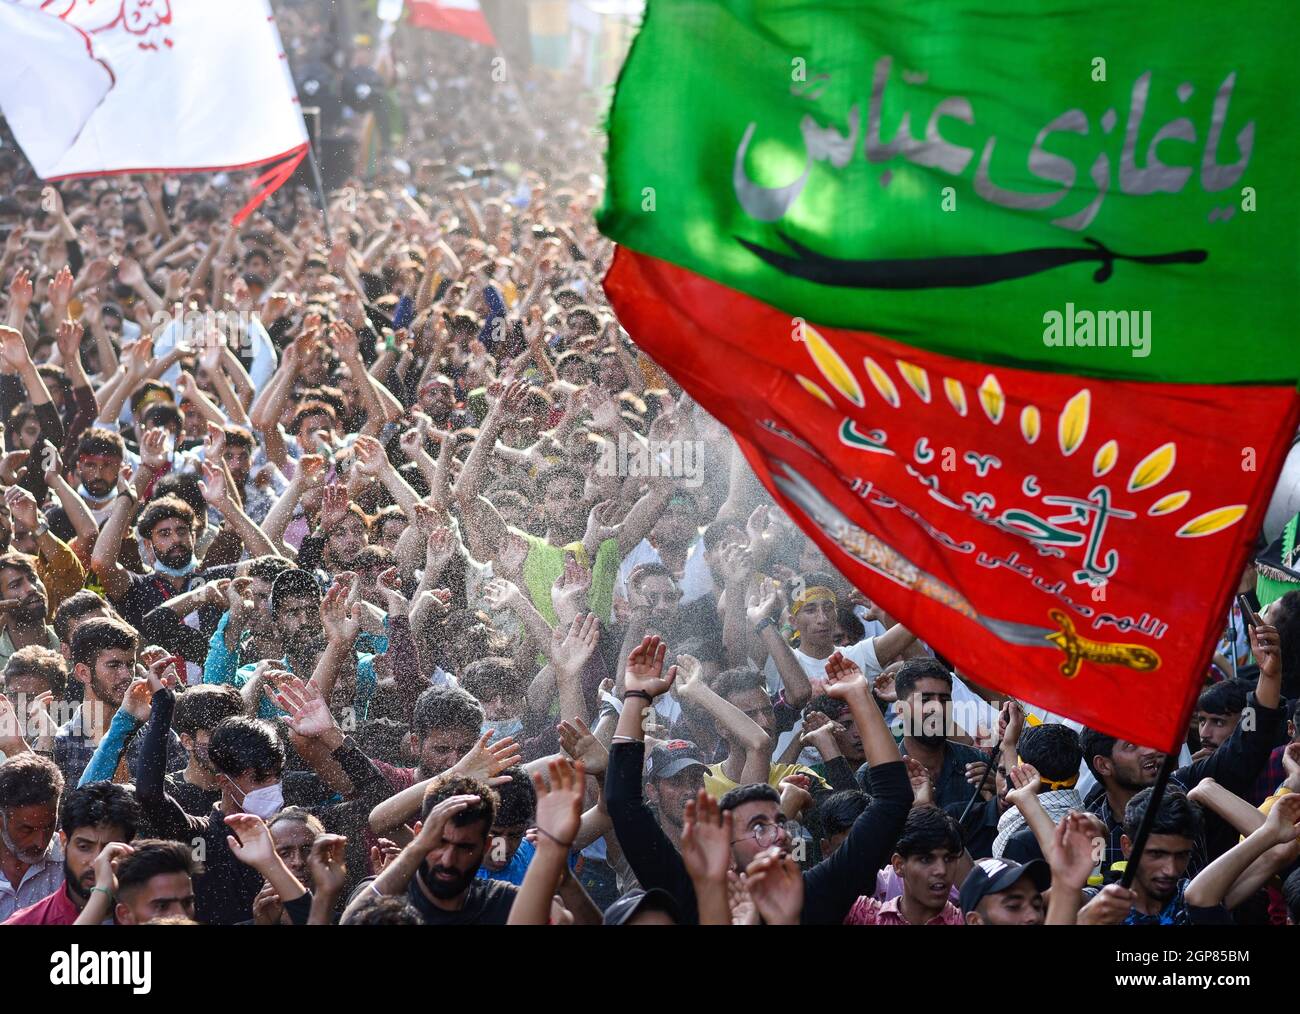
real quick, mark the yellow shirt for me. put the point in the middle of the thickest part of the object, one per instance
(716, 784)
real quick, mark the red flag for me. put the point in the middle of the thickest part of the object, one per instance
(988, 506)
(456, 17)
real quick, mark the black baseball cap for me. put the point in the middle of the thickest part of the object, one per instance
(993, 876)
(672, 757)
(655, 899)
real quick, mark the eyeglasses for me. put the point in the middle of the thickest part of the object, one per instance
(765, 834)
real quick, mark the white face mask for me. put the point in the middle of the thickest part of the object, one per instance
(503, 728)
(264, 802)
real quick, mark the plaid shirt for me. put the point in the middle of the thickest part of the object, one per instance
(1273, 775)
(1098, 803)
(73, 749)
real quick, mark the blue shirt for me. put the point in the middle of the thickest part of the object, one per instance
(513, 871)
(367, 682)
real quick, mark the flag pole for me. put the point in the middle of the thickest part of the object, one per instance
(320, 185)
(1148, 819)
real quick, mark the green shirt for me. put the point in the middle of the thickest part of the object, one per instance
(545, 563)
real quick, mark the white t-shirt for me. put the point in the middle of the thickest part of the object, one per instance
(862, 654)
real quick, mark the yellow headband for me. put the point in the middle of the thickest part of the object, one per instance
(1050, 786)
(814, 594)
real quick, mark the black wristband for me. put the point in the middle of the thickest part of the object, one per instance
(637, 693)
(764, 623)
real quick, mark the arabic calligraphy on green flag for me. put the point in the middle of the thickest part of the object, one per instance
(1008, 161)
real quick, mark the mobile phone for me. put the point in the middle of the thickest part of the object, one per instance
(1252, 617)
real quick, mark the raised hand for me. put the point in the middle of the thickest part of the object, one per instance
(153, 449)
(20, 291)
(1266, 646)
(737, 564)
(1025, 783)
(884, 689)
(60, 292)
(706, 839)
(130, 273)
(580, 743)
(268, 910)
(13, 350)
(1291, 765)
(1283, 817)
(345, 341)
(411, 442)
(307, 714)
(68, 338)
(795, 797)
(499, 594)
(762, 602)
(327, 863)
(22, 507)
(603, 523)
(645, 666)
(1072, 853)
(11, 463)
(39, 717)
(844, 680)
(572, 647)
(137, 699)
(689, 678)
(569, 592)
(1011, 720)
(334, 506)
(342, 623)
(389, 585)
(559, 806)
(429, 832)
(486, 760)
(819, 733)
(106, 864)
(371, 459)
(743, 911)
(383, 853)
(922, 785)
(775, 884)
(213, 487)
(312, 469)
(251, 843)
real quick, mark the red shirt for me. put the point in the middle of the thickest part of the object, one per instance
(867, 911)
(56, 910)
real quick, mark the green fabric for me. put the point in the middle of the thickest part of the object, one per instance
(703, 73)
(545, 563)
(1268, 589)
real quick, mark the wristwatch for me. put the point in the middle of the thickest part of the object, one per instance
(764, 623)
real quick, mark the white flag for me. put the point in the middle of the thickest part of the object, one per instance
(47, 65)
(198, 85)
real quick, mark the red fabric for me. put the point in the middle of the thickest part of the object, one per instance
(56, 910)
(439, 16)
(929, 507)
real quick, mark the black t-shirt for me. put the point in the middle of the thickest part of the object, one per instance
(487, 903)
(192, 799)
(146, 592)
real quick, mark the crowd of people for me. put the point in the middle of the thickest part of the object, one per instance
(325, 598)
